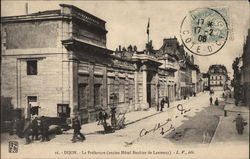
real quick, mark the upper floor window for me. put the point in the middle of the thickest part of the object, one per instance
(32, 67)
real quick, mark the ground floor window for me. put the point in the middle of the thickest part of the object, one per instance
(63, 110)
(82, 96)
(97, 94)
(121, 93)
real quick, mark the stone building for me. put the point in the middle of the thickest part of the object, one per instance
(206, 82)
(57, 61)
(218, 77)
(241, 79)
(246, 70)
(182, 73)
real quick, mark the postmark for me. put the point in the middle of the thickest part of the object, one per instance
(205, 31)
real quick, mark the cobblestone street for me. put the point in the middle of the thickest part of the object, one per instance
(195, 127)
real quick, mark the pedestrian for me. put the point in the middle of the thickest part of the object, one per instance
(162, 104)
(105, 117)
(77, 127)
(113, 118)
(44, 130)
(27, 131)
(216, 102)
(20, 127)
(34, 124)
(211, 100)
(100, 117)
(239, 124)
(167, 101)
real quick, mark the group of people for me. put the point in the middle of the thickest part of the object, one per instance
(34, 128)
(102, 117)
(163, 101)
(116, 122)
(216, 102)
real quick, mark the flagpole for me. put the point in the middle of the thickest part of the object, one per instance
(148, 38)
(148, 29)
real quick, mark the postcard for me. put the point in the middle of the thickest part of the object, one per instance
(125, 79)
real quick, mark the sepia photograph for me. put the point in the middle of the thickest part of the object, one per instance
(125, 79)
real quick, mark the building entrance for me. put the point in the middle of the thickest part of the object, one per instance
(149, 89)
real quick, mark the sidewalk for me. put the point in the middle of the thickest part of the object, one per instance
(136, 116)
(226, 132)
(130, 118)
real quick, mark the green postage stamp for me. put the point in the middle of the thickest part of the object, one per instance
(204, 31)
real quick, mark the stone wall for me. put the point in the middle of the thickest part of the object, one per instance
(41, 41)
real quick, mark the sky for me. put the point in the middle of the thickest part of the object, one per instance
(127, 22)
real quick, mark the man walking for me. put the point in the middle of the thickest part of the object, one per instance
(77, 127)
(167, 101)
(34, 129)
(216, 102)
(100, 117)
(239, 124)
(162, 104)
(45, 130)
(211, 100)
(113, 117)
(27, 131)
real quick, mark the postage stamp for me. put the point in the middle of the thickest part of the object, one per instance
(204, 31)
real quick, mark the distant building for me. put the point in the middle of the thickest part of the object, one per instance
(206, 81)
(183, 75)
(218, 77)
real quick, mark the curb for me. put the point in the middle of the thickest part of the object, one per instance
(132, 122)
(212, 140)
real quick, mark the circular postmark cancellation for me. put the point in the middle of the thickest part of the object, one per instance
(204, 31)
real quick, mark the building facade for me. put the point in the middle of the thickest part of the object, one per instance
(246, 70)
(206, 81)
(57, 61)
(218, 77)
(241, 80)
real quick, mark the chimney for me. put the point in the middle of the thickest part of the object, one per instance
(26, 8)
(120, 48)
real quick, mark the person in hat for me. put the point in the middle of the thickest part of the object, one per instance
(100, 117)
(77, 127)
(34, 129)
(211, 100)
(162, 104)
(216, 102)
(44, 129)
(27, 131)
(239, 124)
(167, 100)
(113, 117)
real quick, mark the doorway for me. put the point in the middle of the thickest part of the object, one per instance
(149, 88)
(31, 102)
